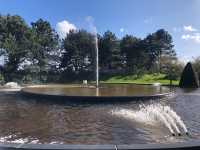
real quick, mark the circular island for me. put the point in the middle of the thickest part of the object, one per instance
(111, 92)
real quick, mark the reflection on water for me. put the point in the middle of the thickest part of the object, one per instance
(103, 90)
(29, 121)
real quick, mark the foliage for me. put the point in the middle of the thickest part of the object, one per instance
(134, 53)
(109, 52)
(36, 54)
(143, 79)
(196, 65)
(158, 44)
(13, 43)
(189, 77)
(78, 52)
(172, 67)
(44, 43)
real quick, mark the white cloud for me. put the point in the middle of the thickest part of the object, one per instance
(122, 30)
(63, 28)
(193, 37)
(189, 28)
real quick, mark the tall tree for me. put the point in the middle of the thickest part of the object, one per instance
(44, 44)
(134, 53)
(109, 52)
(79, 51)
(14, 35)
(159, 44)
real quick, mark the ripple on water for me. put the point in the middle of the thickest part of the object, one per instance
(29, 121)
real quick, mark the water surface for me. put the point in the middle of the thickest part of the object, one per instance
(25, 120)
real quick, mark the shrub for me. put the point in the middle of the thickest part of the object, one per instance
(189, 77)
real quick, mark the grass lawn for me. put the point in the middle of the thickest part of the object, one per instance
(144, 79)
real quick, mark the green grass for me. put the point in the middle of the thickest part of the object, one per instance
(144, 79)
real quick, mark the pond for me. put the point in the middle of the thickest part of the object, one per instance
(24, 120)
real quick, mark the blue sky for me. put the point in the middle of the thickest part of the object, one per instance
(137, 17)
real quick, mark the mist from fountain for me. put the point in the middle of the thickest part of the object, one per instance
(177, 118)
(153, 114)
(93, 29)
(97, 61)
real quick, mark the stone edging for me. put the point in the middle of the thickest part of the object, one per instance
(65, 98)
(186, 146)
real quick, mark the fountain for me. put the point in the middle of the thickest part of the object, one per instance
(155, 113)
(105, 92)
(97, 61)
(29, 124)
(37, 125)
(147, 116)
(97, 64)
(67, 123)
(156, 117)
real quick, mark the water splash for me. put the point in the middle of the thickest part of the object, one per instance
(14, 139)
(177, 118)
(93, 29)
(153, 114)
(171, 121)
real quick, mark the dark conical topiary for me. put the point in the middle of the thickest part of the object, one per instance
(189, 77)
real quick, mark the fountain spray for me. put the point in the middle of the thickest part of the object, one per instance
(156, 113)
(92, 27)
(97, 61)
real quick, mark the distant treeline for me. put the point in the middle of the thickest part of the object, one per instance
(35, 53)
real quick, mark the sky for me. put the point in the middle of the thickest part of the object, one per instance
(181, 18)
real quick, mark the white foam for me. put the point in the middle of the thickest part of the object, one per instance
(19, 140)
(157, 84)
(177, 118)
(171, 121)
(13, 85)
(34, 141)
(153, 114)
(56, 142)
(4, 139)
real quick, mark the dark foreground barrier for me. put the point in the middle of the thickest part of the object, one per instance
(177, 146)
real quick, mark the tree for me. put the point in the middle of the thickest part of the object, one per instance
(196, 65)
(36, 50)
(159, 44)
(134, 53)
(14, 35)
(44, 45)
(172, 67)
(109, 51)
(189, 77)
(79, 52)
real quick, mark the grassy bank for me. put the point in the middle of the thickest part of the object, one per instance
(143, 79)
